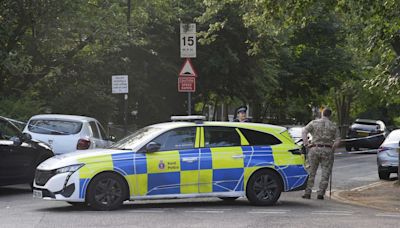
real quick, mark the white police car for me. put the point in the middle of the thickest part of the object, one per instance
(178, 160)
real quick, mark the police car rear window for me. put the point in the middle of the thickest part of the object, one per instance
(54, 127)
(256, 138)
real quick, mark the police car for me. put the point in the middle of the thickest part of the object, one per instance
(179, 159)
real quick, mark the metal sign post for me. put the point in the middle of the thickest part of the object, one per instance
(120, 85)
(189, 103)
(187, 75)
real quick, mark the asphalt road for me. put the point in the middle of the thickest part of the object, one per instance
(19, 209)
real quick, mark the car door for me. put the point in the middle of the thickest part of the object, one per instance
(171, 170)
(16, 161)
(96, 138)
(221, 160)
(105, 142)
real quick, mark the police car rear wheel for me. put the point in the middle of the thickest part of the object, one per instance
(107, 191)
(264, 188)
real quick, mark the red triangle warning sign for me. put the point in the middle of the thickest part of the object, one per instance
(187, 70)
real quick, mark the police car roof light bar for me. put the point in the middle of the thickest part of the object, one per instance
(188, 118)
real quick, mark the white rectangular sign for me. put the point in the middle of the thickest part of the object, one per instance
(120, 84)
(188, 40)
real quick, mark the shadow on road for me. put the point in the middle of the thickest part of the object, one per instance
(195, 205)
(14, 190)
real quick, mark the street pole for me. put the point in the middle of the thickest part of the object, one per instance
(189, 104)
(398, 167)
(125, 114)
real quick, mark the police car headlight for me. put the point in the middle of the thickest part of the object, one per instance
(68, 169)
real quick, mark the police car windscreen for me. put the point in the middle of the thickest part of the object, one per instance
(54, 127)
(131, 140)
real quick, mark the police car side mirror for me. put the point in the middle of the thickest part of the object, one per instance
(153, 147)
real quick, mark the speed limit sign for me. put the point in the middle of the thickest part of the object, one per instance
(188, 40)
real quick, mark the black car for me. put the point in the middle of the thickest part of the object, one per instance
(19, 154)
(364, 133)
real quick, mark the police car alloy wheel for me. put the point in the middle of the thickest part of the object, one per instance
(107, 191)
(264, 188)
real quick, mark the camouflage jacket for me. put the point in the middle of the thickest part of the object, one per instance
(323, 131)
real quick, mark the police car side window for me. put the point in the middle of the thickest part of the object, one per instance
(177, 139)
(256, 138)
(221, 137)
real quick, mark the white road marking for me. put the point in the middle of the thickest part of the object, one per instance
(340, 213)
(209, 211)
(268, 211)
(361, 188)
(388, 215)
(146, 211)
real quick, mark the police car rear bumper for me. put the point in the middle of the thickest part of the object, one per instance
(301, 187)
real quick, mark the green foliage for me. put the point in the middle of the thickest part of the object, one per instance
(281, 57)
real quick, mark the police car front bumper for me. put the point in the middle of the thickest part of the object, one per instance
(63, 186)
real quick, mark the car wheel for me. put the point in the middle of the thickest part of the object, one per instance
(264, 188)
(106, 191)
(356, 148)
(348, 148)
(228, 199)
(383, 175)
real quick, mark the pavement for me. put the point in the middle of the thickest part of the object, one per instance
(382, 195)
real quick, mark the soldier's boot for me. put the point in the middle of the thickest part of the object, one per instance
(306, 196)
(320, 194)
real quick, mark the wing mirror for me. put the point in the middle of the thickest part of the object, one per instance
(26, 137)
(16, 141)
(153, 147)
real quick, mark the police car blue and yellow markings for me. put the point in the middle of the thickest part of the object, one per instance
(203, 170)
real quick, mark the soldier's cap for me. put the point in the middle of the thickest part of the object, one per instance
(242, 109)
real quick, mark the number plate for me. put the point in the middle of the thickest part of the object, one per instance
(37, 194)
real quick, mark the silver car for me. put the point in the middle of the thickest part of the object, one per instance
(388, 155)
(67, 133)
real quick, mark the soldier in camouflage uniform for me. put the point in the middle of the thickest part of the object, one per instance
(325, 138)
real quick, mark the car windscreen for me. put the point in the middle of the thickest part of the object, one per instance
(295, 132)
(365, 126)
(54, 127)
(130, 141)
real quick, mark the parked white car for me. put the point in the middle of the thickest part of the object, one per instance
(388, 155)
(67, 133)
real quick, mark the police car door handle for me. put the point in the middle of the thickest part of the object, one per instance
(193, 159)
(237, 156)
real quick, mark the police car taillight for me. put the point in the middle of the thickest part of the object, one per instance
(83, 144)
(296, 151)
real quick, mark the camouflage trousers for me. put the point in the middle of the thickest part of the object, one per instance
(319, 156)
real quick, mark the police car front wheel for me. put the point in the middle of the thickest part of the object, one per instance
(106, 191)
(264, 188)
